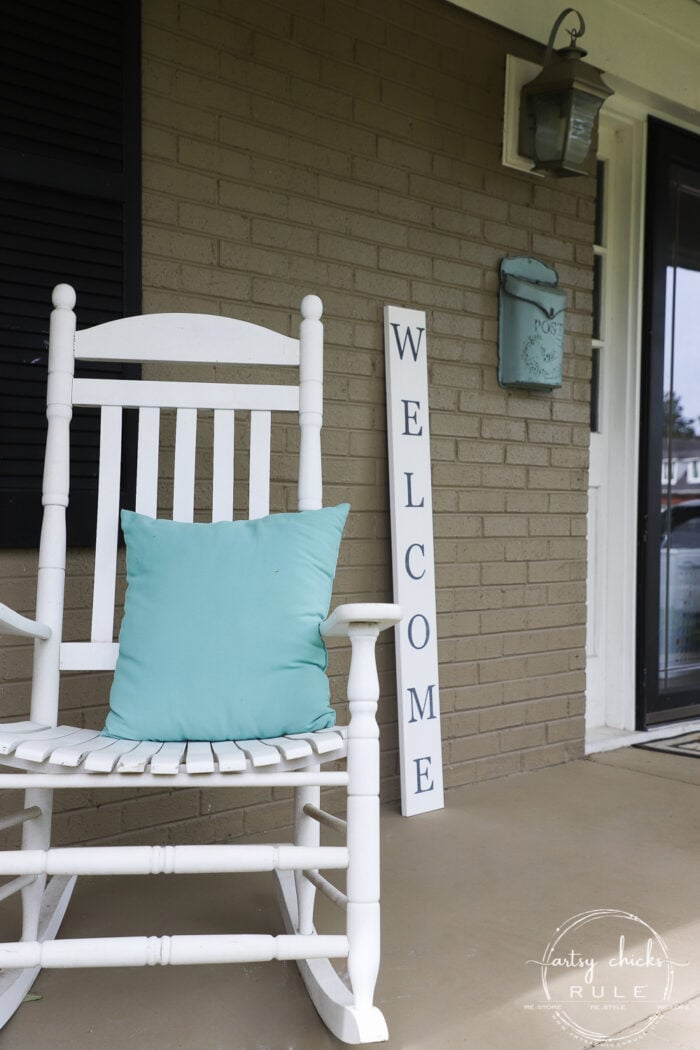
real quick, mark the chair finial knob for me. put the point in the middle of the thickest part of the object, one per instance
(311, 308)
(63, 297)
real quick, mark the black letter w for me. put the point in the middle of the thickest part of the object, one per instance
(408, 338)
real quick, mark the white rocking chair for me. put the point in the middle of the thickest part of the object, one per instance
(40, 755)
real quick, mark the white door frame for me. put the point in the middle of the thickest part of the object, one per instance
(614, 450)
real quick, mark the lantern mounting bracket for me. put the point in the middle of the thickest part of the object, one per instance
(574, 34)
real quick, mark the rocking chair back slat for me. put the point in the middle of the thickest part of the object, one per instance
(259, 484)
(147, 462)
(185, 451)
(107, 525)
(223, 472)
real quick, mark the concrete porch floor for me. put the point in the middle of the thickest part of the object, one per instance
(469, 895)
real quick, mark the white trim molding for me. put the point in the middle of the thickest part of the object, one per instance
(518, 73)
(614, 452)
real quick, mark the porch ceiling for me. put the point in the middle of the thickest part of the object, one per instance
(652, 46)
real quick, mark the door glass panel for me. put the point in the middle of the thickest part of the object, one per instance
(679, 577)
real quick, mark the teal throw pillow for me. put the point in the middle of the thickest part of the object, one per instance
(220, 637)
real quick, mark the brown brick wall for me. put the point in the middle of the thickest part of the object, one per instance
(352, 148)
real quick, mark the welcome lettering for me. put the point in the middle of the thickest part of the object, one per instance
(406, 352)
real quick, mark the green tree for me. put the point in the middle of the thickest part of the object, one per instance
(675, 423)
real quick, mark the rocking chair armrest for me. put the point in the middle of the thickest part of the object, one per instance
(12, 622)
(343, 616)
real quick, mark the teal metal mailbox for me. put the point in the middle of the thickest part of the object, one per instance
(530, 325)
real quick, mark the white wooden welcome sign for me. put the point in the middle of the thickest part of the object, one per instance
(405, 345)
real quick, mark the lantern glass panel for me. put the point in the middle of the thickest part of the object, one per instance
(584, 109)
(550, 113)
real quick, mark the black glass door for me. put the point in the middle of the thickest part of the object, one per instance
(669, 549)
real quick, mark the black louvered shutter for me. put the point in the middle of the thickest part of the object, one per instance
(69, 211)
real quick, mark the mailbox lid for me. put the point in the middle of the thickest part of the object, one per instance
(529, 269)
(548, 298)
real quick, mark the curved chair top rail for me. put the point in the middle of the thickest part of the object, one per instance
(203, 338)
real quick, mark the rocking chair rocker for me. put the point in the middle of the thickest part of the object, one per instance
(40, 755)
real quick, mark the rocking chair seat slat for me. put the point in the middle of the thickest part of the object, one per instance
(259, 753)
(136, 761)
(324, 741)
(13, 733)
(40, 745)
(105, 761)
(199, 758)
(290, 748)
(230, 757)
(167, 761)
(74, 754)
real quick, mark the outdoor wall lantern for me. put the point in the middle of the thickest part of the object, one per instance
(559, 108)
